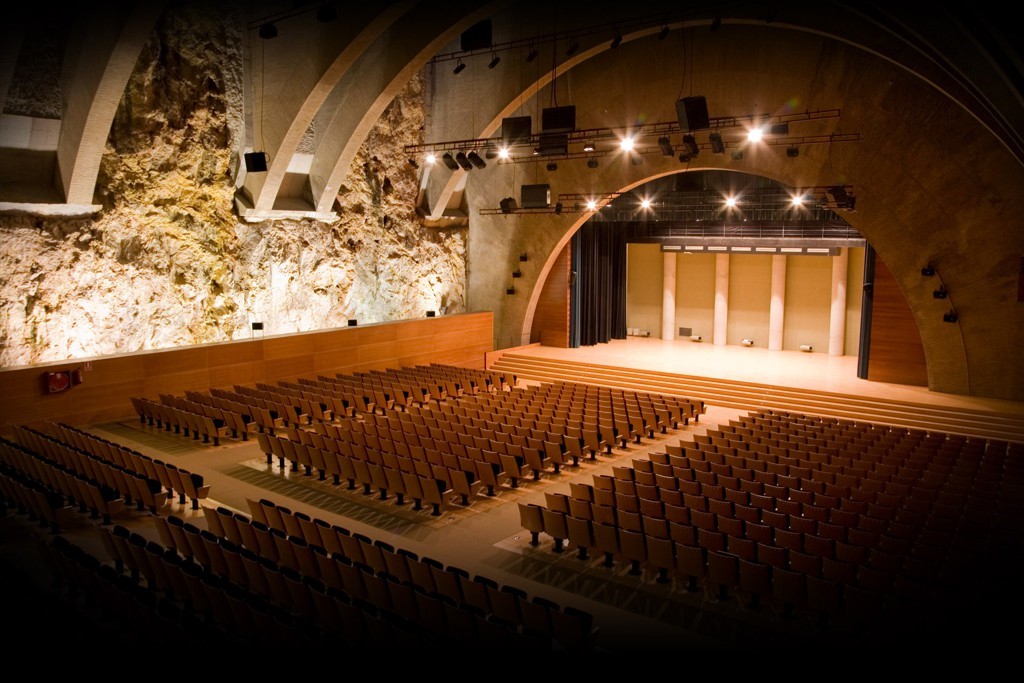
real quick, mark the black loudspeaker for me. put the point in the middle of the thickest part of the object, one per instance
(477, 36)
(536, 196)
(353, 323)
(516, 130)
(508, 205)
(693, 113)
(558, 119)
(257, 326)
(256, 162)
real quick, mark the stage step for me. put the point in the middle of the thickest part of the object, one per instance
(752, 396)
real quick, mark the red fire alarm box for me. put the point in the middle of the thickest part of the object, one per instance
(56, 382)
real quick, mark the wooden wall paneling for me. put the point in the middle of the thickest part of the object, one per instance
(896, 352)
(551, 319)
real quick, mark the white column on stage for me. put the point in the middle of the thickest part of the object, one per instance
(721, 325)
(776, 310)
(668, 296)
(837, 321)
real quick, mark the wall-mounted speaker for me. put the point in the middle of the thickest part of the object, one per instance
(516, 129)
(558, 119)
(256, 162)
(536, 196)
(477, 36)
(692, 113)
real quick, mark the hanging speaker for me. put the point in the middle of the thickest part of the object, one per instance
(256, 162)
(693, 113)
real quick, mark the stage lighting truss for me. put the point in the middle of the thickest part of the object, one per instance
(724, 133)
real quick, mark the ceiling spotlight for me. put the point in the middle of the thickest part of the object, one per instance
(591, 163)
(636, 159)
(737, 154)
(663, 33)
(476, 160)
(616, 41)
(626, 144)
(552, 166)
(779, 129)
(792, 152)
(326, 13)
(645, 203)
(464, 161)
(494, 61)
(449, 161)
(589, 146)
(268, 31)
(717, 146)
(666, 146)
(430, 158)
(927, 271)
(755, 134)
(690, 149)
(730, 202)
(573, 46)
(940, 293)
(532, 54)
(459, 67)
(503, 153)
(413, 163)
(797, 201)
(949, 317)
(591, 205)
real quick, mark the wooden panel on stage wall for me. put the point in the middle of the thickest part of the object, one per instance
(109, 382)
(896, 353)
(551, 321)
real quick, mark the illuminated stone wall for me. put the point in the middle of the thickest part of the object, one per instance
(167, 262)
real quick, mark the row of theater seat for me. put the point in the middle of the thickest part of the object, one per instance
(171, 479)
(879, 540)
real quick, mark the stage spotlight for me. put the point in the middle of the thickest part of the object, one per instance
(503, 153)
(755, 135)
(592, 163)
(449, 161)
(792, 152)
(626, 144)
(430, 158)
(588, 146)
(464, 161)
(717, 146)
(940, 293)
(690, 149)
(591, 205)
(532, 54)
(949, 317)
(737, 154)
(666, 146)
(494, 61)
(476, 160)
(573, 46)
(663, 33)
(552, 166)
(459, 67)
(927, 271)
(616, 41)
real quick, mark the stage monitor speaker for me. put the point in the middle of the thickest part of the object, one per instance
(536, 196)
(256, 162)
(558, 119)
(516, 130)
(477, 36)
(693, 113)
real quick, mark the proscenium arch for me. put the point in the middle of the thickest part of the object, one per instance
(917, 210)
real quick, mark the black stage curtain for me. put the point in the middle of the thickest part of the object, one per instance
(598, 299)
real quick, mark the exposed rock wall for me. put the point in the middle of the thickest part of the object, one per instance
(167, 263)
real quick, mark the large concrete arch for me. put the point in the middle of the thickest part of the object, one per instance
(298, 89)
(100, 61)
